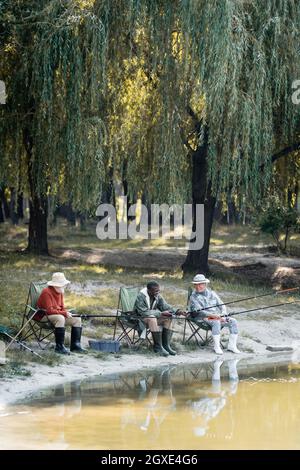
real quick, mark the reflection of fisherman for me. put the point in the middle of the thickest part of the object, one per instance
(159, 402)
(155, 312)
(60, 407)
(201, 298)
(210, 406)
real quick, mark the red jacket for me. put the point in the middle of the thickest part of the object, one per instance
(52, 302)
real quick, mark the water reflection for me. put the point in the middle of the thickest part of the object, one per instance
(225, 404)
(213, 398)
(156, 396)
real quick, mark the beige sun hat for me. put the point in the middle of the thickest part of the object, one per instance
(58, 280)
(200, 279)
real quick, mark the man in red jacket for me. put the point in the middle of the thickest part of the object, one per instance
(51, 303)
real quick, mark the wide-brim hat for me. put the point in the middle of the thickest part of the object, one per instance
(200, 279)
(58, 280)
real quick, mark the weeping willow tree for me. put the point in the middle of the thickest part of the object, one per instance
(182, 99)
(52, 131)
(212, 86)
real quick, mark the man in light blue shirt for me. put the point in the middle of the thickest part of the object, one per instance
(215, 315)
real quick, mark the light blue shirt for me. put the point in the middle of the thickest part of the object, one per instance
(207, 298)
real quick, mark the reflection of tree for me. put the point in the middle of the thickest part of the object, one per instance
(214, 398)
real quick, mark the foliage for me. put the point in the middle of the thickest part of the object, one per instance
(53, 55)
(231, 63)
(108, 84)
(279, 221)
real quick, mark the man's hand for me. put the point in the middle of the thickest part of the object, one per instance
(180, 312)
(166, 314)
(69, 314)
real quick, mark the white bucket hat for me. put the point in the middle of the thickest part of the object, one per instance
(200, 279)
(58, 280)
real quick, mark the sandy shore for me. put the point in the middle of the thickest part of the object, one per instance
(254, 337)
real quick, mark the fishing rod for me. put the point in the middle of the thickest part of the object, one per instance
(249, 298)
(135, 317)
(259, 308)
(4, 331)
(84, 316)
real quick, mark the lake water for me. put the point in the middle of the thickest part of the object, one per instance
(222, 405)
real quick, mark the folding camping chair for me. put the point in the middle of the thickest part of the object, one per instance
(131, 327)
(200, 331)
(31, 327)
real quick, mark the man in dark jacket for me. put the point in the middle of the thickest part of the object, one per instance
(156, 313)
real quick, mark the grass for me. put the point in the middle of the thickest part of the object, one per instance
(235, 237)
(15, 366)
(16, 363)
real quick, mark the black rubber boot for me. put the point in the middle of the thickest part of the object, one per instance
(166, 381)
(60, 339)
(156, 383)
(157, 344)
(166, 338)
(75, 340)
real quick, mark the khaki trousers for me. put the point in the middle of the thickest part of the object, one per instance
(59, 321)
(154, 323)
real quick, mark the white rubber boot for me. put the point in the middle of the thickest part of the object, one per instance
(217, 347)
(233, 376)
(232, 344)
(216, 376)
(232, 369)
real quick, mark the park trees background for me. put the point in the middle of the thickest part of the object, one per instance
(180, 101)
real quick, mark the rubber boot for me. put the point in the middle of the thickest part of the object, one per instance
(217, 347)
(59, 340)
(157, 344)
(233, 376)
(75, 340)
(232, 344)
(216, 376)
(166, 338)
(166, 381)
(232, 369)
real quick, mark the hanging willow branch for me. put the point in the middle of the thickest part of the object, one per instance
(107, 86)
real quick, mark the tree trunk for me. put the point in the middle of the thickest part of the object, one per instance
(1, 213)
(4, 201)
(197, 260)
(82, 220)
(232, 214)
(13, 207)
(37, 235)
(20, 210)
(70, 214)
(38, 207)
(297, 193)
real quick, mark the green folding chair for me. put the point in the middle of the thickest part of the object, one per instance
(200, 331)
(132, 329)
(32, 327)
